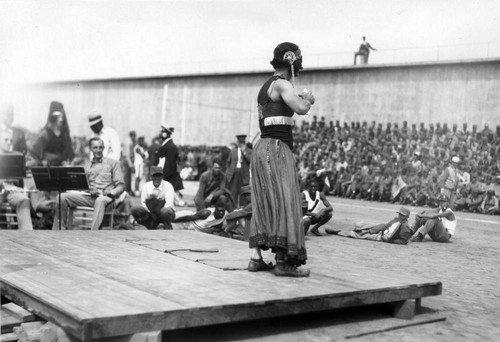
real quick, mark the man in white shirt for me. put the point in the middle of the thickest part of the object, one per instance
(439, 223)
(157, 202)
(208, 220)
(112, 147)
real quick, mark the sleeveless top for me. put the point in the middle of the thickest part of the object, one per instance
(275, 117)
(449, 225)
(313, 206)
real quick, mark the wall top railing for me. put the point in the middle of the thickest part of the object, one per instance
(425, 54)
(438, 53)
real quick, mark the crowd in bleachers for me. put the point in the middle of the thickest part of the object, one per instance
(399, 163)
(393, 162)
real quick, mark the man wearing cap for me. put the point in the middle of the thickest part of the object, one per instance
(238, 167)
(212, 186)
(111, 139)
(157, 202)
(449, 180)
(439, 223)
(105, 182)
(166, 157)
(395, 231)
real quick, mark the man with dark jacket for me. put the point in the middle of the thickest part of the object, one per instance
(166, 157)
(238, 168)
(212, 186)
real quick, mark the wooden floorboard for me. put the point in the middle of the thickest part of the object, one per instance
(109, 283)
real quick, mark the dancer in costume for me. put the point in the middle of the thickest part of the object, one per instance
(276, 209)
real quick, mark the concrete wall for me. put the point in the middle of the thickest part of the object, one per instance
(212, 109)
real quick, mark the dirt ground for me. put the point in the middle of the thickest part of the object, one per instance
(467, 310)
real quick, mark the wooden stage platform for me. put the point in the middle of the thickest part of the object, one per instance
(112, 283)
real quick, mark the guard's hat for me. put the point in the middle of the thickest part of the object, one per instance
(164, 128)
(241, 137)
(404, 211)
(156, 170)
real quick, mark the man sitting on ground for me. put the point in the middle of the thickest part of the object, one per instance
(319, 210)
(208, 220)
(106, 184)
(157, 202)
(439, 223)
(395, 231)
(212, 186)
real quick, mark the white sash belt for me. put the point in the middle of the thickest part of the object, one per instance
(278, 120)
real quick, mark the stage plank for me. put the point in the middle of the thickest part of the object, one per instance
(110, 283)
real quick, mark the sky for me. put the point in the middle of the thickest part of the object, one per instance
(49, 40)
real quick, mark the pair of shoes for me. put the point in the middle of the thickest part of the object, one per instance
(332, 231)
(256, 265)
(417, 238)
(283, 269)
(315, 231)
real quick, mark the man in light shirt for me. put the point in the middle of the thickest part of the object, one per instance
(111, 139)
(439, 223)
(157, 202)
(105, 183)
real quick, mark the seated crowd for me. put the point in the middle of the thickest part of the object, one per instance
(402, 164)
(397, 163)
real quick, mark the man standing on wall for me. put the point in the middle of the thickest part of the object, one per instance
(364, 51)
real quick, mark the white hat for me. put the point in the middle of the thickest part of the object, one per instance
(455, 159)
(94, 117)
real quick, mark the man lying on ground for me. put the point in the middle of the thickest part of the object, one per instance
(395, 231)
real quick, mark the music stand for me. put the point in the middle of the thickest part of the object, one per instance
(60, 178)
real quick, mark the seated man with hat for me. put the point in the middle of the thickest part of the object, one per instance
(395, 231)
(157, 202)
(439, 223)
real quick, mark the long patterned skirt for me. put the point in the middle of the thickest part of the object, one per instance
(276, 209)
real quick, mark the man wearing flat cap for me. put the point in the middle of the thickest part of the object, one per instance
(157, 202)
(238, 168)
(166, 157)
(112, 146)
(395, 231)
(449, 180)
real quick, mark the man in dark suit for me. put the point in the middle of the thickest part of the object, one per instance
(166, 157)
(238, 168)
